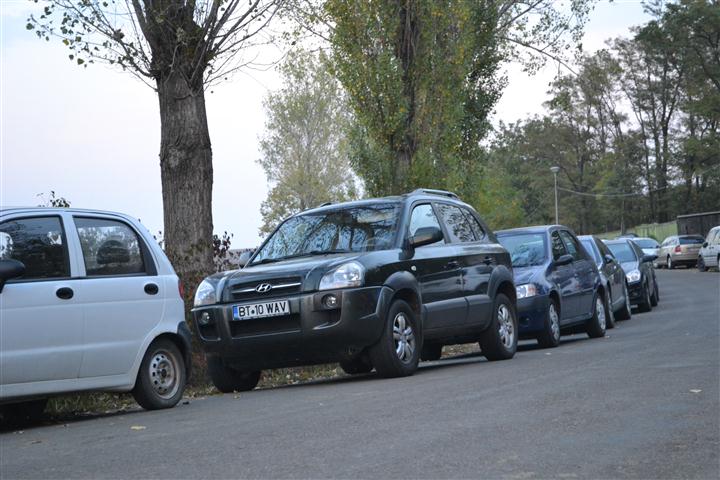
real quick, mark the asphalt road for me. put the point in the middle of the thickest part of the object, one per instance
(641, 403)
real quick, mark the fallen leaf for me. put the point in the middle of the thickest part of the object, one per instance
(695, 390)
(548, 353)
(138, 427)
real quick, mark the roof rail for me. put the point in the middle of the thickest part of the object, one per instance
(431, 191)
(324, 204)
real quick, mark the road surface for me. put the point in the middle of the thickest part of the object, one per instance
(642, 402)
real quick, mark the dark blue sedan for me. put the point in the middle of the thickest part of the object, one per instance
(559, 289)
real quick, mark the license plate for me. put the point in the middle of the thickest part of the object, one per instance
(260, 310)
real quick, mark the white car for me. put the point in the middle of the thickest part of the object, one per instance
(709, 255)
(649, 246)
(88, 301)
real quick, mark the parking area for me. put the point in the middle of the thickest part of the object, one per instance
(641, 402)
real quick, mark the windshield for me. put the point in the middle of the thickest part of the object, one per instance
(356, 229)
(646, 243)
(690, 240)
(588, 244)
(623, 252)
(526, 249)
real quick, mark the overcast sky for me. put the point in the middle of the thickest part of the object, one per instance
(93, 134)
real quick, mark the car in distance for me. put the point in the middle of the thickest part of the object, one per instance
(680, 250)
(613, 277)
(559, 289)
(628, 235)
(375, 283)
(649, 246)
(642, 284)
(88, 301)
(709, 255)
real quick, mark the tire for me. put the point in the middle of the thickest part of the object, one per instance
(550, 336)
(610, 314)
(23, 413)
(625, 313)
(432, 352)
(499, 340)
(356, 366)
(227, 379)
(161, 379)
(655, 296)
(701, 264)
(669, 264)
(397, 353)
(645, 304)
(595, 327)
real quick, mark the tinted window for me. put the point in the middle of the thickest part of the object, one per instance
(558, 249)
(109, 247)
(623, 252)
(457, 225)
(588, 243)
(39, 243)
(526, 249)
(423, 216)
(352, 229)
(571, 245)
(690, 240)
(474, 225)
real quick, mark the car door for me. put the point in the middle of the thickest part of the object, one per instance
(41, 321)
(477, 259)
(584, 270)
(438, 272)
(563, 277)
(121, 293)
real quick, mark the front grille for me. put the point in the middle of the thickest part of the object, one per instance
(280, 287)
(264, 326)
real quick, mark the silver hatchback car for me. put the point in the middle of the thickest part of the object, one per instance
(680, 250)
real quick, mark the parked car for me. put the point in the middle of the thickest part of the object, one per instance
(628, 235)
(709, 255)
(680, 250)
(649, 246)
(372, 284)
(612, 277)
(88, 301)
(642, 284)
(558, 285)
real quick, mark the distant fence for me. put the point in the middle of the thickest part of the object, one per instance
(658, 231)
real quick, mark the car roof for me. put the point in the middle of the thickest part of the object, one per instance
(50, 210)
(420, 194)
(532, 229)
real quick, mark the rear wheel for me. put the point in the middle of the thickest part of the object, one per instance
(431, 352)
(356, 366)
(550, 336)
(645, 304)
(625, 313)
(669, 263)
(228, 379)
(597, 324)
(499, 340)
(161, 380)
(397, 353)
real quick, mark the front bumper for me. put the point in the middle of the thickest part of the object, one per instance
(531, 315)
(310, 334)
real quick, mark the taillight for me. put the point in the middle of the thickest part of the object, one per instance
(181, 289)
(678, 249)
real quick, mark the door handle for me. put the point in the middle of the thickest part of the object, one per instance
(64, 293)
(488, 260)
(452, 264)
(151, 289)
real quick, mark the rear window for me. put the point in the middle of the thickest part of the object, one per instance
(623, 252)
(646, 243)
(690, 240)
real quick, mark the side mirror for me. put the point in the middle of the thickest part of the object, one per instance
(10, 269)
(244, 258)
(425, 236)
(609, 258)
(649, 258)
(566, 259)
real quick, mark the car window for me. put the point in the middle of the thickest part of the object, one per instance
(588, 243)
(571, 245)
(623, 252)
(604, 250)
(39, 243)
(477, 229)
(109, 247)
(691, 240)
(558, 249)
(646, 243)
(457, 225)
(526, 249)
(423, 216)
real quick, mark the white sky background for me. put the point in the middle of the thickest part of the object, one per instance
(93, 134)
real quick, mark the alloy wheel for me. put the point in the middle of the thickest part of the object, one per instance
(506, 328)
(404, 338)
(554, 321)
(600, 309)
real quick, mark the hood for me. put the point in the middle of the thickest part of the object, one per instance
(523, 275)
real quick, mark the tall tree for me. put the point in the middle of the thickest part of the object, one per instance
(178, 47)
(304, 149)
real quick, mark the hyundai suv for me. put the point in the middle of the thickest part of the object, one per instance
(377, 283)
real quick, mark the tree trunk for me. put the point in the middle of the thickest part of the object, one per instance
(186, 175)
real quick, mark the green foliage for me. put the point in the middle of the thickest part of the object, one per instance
(304, 148)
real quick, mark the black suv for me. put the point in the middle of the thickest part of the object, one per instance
(375, 283)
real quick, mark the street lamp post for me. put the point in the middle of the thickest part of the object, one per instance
(555, 171)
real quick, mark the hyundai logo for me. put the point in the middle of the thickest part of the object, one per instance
(263, 288)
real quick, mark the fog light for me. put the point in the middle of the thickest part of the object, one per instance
(330, 301)
(204, 319)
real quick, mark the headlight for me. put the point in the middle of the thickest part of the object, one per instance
(633, 276)
(350, 274)
(527, 290)
(205, 294)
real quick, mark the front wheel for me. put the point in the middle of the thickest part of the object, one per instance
(499, 340)
(595, 327)
(655, 295)
(397, 353)
(161, 379)
(550, 336)
(227, 379)
(645, 304)
(625, 313)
